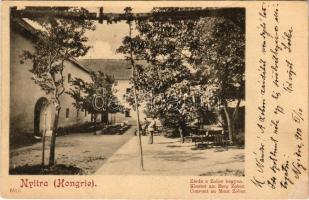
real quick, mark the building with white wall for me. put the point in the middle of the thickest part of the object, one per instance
(30, 111)
(121, 70)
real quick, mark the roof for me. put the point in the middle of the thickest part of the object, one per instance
(31, 33)
(77, 64)
(24, 28)
(119, 68)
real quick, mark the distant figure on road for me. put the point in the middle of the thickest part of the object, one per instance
(151, 129)
(140, 129)
(145, 126)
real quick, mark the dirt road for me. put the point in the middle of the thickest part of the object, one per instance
(84, 150)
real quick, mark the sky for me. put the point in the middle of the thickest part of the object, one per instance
(107, 38)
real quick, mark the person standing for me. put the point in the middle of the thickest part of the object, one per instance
(151, 129)
(145, 126)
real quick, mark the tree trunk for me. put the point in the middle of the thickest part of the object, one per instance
(181, 135)
(138, 128)
(150, 141)
(104, 117)
(53, 137)
(229, 122)
(136, 100)
(43, 142)
(235, 115)
(95, 123)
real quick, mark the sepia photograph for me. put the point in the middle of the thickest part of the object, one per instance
(119, 90)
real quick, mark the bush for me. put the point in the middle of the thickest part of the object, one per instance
(239, 137)
(93, 127)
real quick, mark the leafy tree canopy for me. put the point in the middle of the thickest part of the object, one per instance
(57, 40)
(96, 96)
(205, 55)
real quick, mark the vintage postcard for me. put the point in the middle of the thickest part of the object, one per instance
(154, 99)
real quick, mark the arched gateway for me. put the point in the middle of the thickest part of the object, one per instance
(43, 117)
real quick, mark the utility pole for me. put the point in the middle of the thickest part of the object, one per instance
(136, 100)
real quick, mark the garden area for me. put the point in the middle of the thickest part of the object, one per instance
(188, 75)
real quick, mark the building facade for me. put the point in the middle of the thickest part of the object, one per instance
(30, 110)
(121, 70)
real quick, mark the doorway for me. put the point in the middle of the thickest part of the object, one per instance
(43, 117)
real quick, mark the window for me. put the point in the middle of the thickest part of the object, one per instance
(69, 78)
(67, 113)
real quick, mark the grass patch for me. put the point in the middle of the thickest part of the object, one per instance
(21, 139)
(45, 170)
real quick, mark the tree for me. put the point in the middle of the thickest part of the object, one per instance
(217, 51)
(162, 80)
(175, 51)
(129, 55)
(58, 40)
(97, 96)
(177, 108)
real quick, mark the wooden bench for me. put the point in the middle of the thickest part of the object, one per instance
(210, 135)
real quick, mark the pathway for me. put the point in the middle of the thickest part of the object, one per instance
(170, 157)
